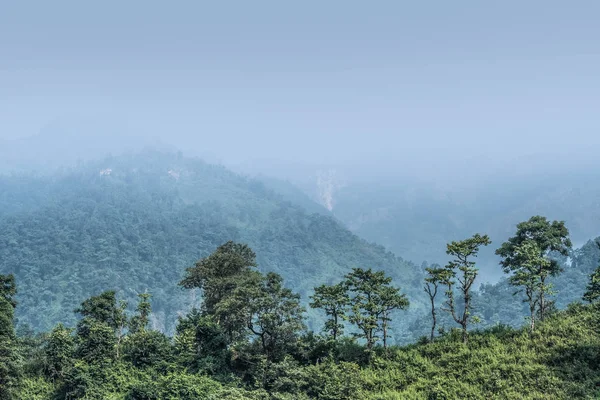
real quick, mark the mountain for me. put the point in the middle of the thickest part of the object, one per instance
(502, 303)
(134, 223)
(417, 220)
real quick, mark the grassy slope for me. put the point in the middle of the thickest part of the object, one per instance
(560, 361)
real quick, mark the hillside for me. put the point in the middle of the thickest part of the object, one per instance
(416, 220)
(497, 303)
(558, 361)
(134, 223)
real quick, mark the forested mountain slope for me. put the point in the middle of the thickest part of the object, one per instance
(133, 223)
(428, 213)
(416, 220)
(502, 303)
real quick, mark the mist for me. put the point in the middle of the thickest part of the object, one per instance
(452, 100)
(433, 89)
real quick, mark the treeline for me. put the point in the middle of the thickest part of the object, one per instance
(248, 339)
(247, 327)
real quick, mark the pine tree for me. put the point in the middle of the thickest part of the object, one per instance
(435, 277)
(464, 270)
(372, 299)
(334, 301)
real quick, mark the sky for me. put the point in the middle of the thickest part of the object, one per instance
(428, 86)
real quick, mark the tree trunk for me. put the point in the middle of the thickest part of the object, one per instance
(465, 317)
(433, 325)
(433, 316)
(542, 304)
(532, 304)
(384, 333)
(335, 326)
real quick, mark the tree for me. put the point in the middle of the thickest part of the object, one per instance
(103, 308)
(372, 300)
(527, 275)
(96, 341)
(202, 345)
(59, 350)
(592, 292)
(390, 299)
(218, 276)
(147, 348)
(435, 276)
(10, 362)
(139, 322)
(547, 237)
(101, 329)
(464, 270)
(275, 315)
(334, 301)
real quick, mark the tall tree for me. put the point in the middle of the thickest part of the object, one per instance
(103, 308)
(372, 298)
(463, 269)
(58, 351)
(530, 276)
(218, 276)
(139, 322)
(333, 299)
(435, 277)
(275, 315)
(101, 329)
(548, 237)
(201, 345)
(390, 299)
(10, 363)
(592, 292)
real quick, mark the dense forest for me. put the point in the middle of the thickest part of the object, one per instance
(415, 218)
(161, 277)
(133, 223)
(248, 339)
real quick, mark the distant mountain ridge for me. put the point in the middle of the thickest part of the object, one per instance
(418, 220)
(134, 223)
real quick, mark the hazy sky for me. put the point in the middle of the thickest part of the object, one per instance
(419, 83)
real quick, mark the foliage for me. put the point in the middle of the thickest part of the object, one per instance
(557, 360)
(527, 254)
(59, 349)
(462, 269)
(99, 241)
(77, 233)
(372, 299)
(333, 299)
(10, 363)
(592, 292)
(436, 276)
(275, 315)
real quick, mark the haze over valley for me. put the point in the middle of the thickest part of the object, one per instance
(275, 201)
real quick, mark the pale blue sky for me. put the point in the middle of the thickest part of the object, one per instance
(391, 83)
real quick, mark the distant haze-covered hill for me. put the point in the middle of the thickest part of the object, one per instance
(416, 219)
(134, 223)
